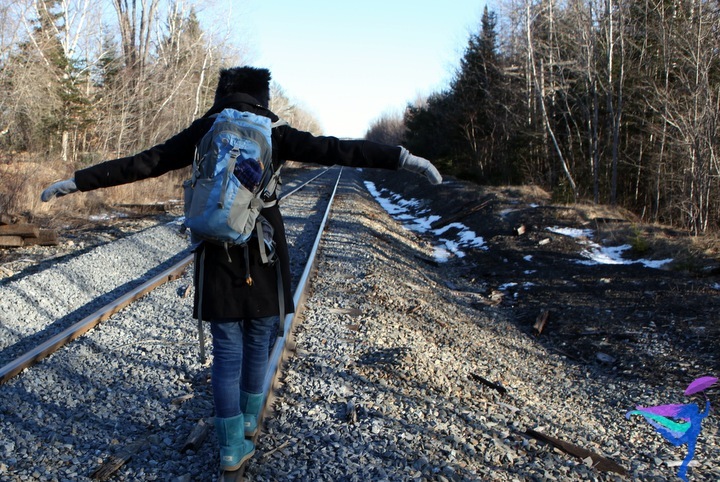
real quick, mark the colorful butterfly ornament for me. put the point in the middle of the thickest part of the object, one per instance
(679, 423)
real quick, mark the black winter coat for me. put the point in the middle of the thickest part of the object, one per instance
(226, 295)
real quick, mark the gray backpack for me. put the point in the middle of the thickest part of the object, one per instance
(232, 179)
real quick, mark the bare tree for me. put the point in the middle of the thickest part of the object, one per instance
(12, 14)
(537, 73)
(389, 128)
(693, 116)
(291, 112)
(136, 24)
(589, 50)
(136, 20)
(614, 39)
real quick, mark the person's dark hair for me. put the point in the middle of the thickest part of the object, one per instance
(248, 80)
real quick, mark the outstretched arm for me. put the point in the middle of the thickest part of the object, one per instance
(296, 145)
(175, 153)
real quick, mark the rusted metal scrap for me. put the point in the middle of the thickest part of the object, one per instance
(598, 461)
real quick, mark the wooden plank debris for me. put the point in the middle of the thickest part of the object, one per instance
(197, 436)
(496, 297)
(597, 461)
(117, 460)
(146, 208)
(46, 237)
(22, 234)
(346, 311)
(269, 453)
(187, 291)
(24, 230)
(541, 321)
(11, 241)
(182, 399)
(466, 210)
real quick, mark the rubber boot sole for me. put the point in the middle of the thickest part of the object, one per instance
(234, 472)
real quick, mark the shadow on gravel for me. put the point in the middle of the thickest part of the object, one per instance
(77, 232)
(378, 370)
(48, 263)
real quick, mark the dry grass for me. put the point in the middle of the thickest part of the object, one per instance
(618, 226)
(23, 182)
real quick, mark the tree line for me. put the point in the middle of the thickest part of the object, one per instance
(613, 101)
(83, 81)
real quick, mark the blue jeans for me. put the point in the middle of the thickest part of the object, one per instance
(240, 360)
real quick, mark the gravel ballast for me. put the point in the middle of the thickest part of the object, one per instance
(383, 384)
(43, 302)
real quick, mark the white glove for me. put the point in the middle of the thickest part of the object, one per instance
(419, 165)
(59, 189)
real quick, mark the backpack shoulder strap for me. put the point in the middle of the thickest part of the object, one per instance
(271, 182)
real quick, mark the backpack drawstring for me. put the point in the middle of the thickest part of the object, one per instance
(246, 256)
(248, 278)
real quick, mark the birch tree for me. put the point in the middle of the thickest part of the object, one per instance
(544, 95)
(614, 43)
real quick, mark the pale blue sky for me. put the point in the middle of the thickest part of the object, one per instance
(348, 62)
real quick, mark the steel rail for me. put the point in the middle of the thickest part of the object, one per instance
(51, 345)
(78, 329)
(301, 186)
(278, 349)
(281, 344)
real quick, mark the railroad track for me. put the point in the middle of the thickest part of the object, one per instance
(49, 346)
(398, 376)
(305, 204)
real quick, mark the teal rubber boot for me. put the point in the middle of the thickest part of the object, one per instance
(251, 404)
(234, 449)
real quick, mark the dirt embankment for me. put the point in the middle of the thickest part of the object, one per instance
(585, 290)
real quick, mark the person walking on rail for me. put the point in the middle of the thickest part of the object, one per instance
(242, 316)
